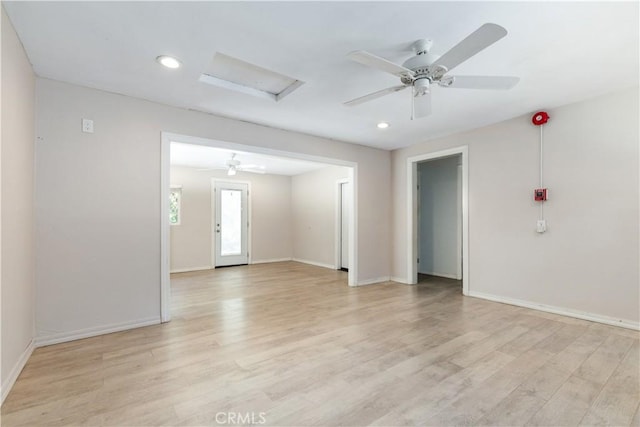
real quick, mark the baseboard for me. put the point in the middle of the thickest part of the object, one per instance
(266, 261)
(373, 281)
(317, 264)
(57, 338)
(399, 280)
(187, 270)
(561, 311)
(15, 372)
(445, 275)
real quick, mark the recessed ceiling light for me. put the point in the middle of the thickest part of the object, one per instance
(168, 61)
(383, 125)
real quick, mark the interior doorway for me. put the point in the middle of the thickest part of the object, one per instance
(458, 263)
(439, 221)
(170, 139)
(344, 218)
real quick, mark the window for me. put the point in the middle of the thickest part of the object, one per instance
(175, 202)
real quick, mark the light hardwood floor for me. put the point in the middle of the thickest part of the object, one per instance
(291, 344)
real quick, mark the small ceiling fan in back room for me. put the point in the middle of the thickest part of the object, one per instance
(424, 69)
(233, 166)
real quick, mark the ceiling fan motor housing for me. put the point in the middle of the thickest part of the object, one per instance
(420, 63)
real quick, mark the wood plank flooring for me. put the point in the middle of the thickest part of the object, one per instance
(289, 344)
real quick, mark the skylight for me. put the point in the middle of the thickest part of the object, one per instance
(234, 74)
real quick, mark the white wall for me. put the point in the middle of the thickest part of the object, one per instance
(17, 183)
(270, 219)
(98, 203)
(587, 261)
(440, 218)
(313, 206)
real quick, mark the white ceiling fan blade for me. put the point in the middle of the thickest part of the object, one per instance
(480, 82)
(422, 106)
(210, 169)
(249, 166)
(480, 39)
(375, 95)
(379, 63)
(260, 171)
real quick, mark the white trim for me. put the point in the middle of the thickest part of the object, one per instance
(317, 264)
(267, 261)
(412, 267)
(374, 281)
(165, 190)
(352, 276)
(226, 84)
(560, 310)
(459, 227)
(42, 341)
(189, 269)
(7, 385)
(399, 280)
(207, 142)
(338, 222)
(445, 275)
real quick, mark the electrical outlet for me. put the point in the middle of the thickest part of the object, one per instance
(541, 226)
(87, 126)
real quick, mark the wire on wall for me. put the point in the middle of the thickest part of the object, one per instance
(540, 193)
(541, 168)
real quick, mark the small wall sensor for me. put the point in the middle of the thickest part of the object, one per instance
(87, 125)
(541, 226)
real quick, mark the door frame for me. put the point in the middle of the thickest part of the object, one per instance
(412, 212)
(338, 223)
(165, 157)
(213, 216)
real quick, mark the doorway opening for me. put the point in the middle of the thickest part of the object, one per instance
(439, 221)
(240, 229)
(437, 206)
(343, 219)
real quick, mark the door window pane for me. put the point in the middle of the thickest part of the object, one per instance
(230, 222)
(175, 197)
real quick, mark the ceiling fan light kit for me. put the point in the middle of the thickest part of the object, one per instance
(424, 69)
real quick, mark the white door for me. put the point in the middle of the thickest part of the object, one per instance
(345, 215)
(231, 226)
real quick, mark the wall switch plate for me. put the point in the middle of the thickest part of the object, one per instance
(87, 126)
(541, 226)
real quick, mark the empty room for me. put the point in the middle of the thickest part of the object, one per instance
(320, 213)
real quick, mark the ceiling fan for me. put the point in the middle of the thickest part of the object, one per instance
(424, 69)
(233, 166)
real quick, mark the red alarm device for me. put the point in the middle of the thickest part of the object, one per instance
(540, 118)
(540, 194)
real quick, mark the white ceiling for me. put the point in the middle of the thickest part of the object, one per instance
(203, 157)
(563, 52)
